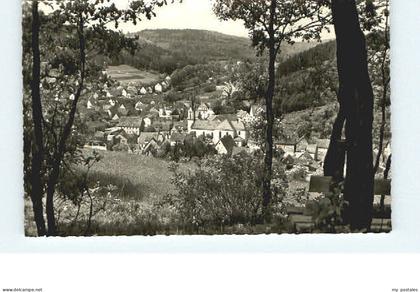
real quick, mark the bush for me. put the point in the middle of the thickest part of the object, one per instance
(224, 191)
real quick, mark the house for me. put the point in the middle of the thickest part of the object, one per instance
(96, 145)
(322, 148)
(151, 147)
(131, 125)
(240, 129)
(143, 91)
(302, 145)
(110, 134)
(305, 158)
(289, 146)
(148, 120)
(312, 149)
(256, 110)
(158, 88)
(216, 128)
(145, 137)
(202, 111)
(164, 85)
(89, 104)
(122, 110)
(225, 145)
(121, 138)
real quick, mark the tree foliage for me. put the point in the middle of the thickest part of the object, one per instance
(270, 24)
(58, 47)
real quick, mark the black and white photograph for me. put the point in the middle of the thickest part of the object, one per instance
(206, 117)
(209, 145)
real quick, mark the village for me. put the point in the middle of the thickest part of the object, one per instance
(136, 119)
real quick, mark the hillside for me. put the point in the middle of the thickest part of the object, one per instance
(202, 45)
(166, 50)
(210, 45)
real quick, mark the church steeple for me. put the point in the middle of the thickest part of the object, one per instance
(190, 119)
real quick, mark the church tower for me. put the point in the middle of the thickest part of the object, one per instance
(190, 119)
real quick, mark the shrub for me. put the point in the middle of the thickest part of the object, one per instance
(224, 191)
(327, 211)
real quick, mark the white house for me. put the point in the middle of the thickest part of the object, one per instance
(158, 88)
(89, 104)
(216, 128)
(143, 91)
(147, 121)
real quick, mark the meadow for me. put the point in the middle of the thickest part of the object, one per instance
(141, 182)
(127, 74)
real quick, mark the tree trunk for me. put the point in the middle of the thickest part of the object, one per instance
(356, 96)
(59, 154)
(268, 160)
(335, 157)
(36, 193)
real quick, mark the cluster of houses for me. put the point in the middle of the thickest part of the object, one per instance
(147, 132)
(144, 127)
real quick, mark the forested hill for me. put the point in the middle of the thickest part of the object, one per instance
(165, 50)
(203, 45)
(307, 79)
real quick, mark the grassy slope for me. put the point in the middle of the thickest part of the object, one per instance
(126, 74)
(149, 176)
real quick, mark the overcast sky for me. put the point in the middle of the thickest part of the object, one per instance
(193, 14)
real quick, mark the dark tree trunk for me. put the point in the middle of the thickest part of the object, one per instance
(268, 160)
(59, 154)
(335, 157)
(357, 104)
(36, 193)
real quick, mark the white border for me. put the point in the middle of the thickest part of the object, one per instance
(405, 44)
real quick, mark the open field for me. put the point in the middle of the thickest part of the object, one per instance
(127, 74)
(144, 177)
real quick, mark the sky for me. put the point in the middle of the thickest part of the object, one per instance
(190, 14)
(193, 14)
